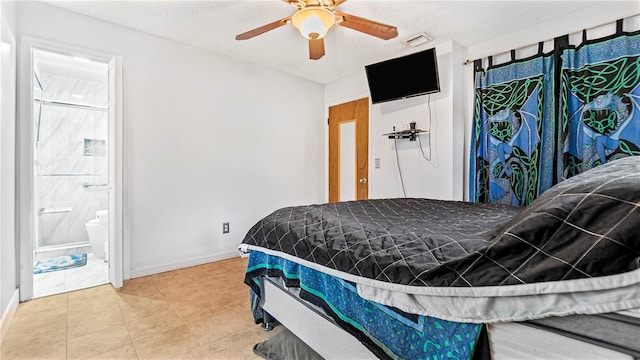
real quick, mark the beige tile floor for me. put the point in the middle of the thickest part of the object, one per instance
(201, 312)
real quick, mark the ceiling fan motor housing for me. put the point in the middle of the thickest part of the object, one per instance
(313, 22)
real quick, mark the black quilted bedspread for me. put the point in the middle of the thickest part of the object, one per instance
(586, 226)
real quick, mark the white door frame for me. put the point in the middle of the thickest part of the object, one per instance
(25, 200)
(116, 131)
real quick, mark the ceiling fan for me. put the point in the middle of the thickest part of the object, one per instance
(315, 17)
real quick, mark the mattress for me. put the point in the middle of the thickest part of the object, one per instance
(510, 341)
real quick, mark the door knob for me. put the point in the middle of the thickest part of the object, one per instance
(363, 180)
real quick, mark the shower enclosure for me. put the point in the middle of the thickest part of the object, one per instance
(70, 125)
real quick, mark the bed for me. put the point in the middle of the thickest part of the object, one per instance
(424, 278)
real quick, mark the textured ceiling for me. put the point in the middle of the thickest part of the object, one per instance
(212, 25)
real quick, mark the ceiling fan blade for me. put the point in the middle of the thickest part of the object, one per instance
(366, 26)
(316, 48)
(262, 29)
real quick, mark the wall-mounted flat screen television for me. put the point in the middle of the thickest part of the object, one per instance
(407, 76)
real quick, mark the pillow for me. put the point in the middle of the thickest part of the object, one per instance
(619, 179)
(585, 226)
(285, 346)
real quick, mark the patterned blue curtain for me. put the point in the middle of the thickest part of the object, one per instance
(546, 118)
(513, 134)
(600, 102)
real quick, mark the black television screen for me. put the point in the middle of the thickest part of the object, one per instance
(402, 77)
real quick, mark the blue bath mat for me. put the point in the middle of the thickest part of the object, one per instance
(59, 263)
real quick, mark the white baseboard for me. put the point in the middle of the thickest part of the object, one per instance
(8, 314)
(151, 270)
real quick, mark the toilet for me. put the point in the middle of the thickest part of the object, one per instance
(98, 230)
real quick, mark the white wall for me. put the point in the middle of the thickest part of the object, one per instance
(521, 40)
(439, 178)
(8, 256)
(208, 140)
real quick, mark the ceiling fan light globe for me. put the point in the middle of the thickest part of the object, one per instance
(313, 22)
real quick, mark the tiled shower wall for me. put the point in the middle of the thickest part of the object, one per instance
(64, 163)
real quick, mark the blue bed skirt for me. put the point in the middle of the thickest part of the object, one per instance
(388, 332)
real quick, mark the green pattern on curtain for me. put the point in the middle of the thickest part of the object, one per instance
(543, 119)
(513, 131)
(600, 102)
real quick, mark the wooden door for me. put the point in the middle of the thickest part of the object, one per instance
(349, 126)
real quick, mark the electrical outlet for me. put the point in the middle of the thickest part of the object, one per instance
(225, 228)
(376, 162)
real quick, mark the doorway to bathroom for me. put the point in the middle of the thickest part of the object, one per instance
(71, 227)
